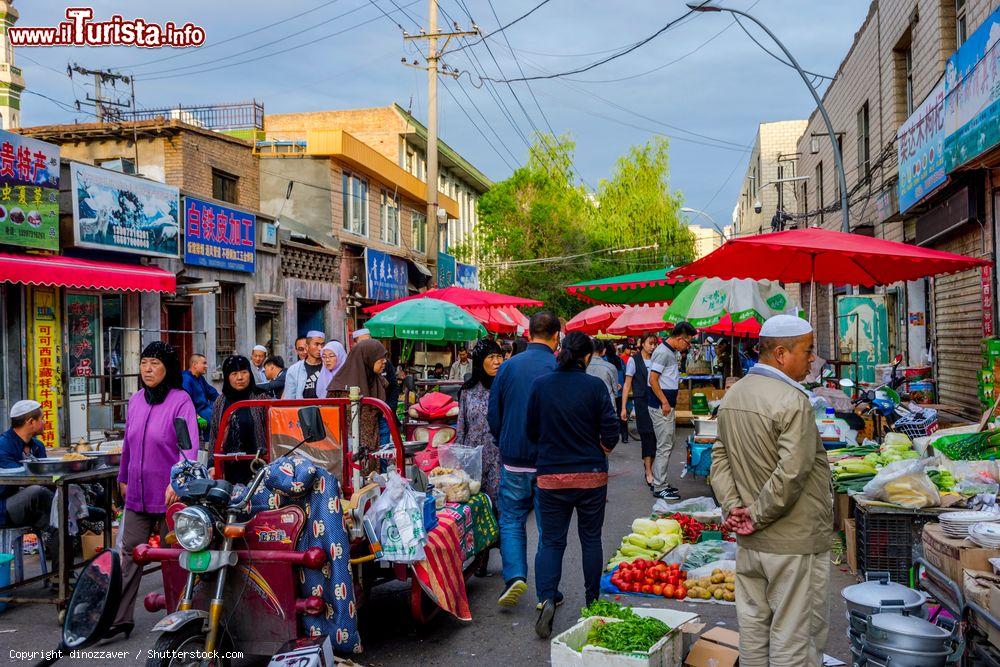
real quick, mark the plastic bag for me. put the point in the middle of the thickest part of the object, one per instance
(399, 519)
(469, 459)
(454, 482)
(702, 508)
(706, 570)
(703, 553)
(904, 483)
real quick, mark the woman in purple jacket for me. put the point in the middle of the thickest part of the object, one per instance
(149, 451)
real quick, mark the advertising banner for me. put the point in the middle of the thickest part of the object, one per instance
(972, 95)
(218, 236)
(386, 275)
(467, 275)
(113, 211)
(446, 270)
(920, 148)
(82, 312)
(29, 192)
(44, 372)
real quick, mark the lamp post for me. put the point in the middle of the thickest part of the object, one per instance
(708, 6)
(687, 209)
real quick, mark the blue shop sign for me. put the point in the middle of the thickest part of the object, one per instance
(386, 276)
(219, 237)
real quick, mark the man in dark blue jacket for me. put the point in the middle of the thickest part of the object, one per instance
(506, 416)
(202, 394)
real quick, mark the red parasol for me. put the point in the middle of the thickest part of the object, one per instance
(462, 297)
(748, 328)
(501, 319)
(824, 256)
(595, 319)
(637, 320)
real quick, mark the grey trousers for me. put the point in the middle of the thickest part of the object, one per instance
(136, 529)
(664, 428)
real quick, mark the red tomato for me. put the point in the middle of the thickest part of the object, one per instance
(682, 575)
(649, 581)
(673, 580)
(680, 593)
(657, 590)
(647, 589)
(668, 591)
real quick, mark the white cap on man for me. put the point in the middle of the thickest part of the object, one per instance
(316, 334)
(22, 408)
(785, 326)
(359, 333)
(260, 348)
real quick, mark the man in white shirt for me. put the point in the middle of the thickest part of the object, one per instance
(664, 381)
(462, 367)
(257, 356)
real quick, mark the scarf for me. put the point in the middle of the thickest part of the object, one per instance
(323, 381)
(231, 365)
(172, 380)
(484, 348)
(240, 437)
(359, 370)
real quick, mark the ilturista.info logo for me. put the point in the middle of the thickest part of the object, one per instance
(80, 29)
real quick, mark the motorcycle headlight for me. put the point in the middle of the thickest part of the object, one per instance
(444, 436)
(193, 528)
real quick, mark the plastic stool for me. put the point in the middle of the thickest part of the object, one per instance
(12, 542)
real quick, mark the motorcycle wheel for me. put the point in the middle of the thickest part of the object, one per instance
(189, 639)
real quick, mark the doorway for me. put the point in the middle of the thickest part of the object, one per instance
(176, 317)
(309, 316)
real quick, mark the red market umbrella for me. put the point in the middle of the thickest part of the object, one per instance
(462, 297)
(595, 319)
(748, 328)
(501, 319)
(817, 255)
(637, 320)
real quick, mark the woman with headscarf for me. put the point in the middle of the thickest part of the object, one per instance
(363, 369)
(149, 451)
(472, 429)
(246, 431)
(333, 357)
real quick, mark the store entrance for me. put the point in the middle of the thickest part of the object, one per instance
(177, 322)
(310, 316)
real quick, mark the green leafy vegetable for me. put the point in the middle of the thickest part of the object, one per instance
(970, 446)
(631, 635)
(607, 609)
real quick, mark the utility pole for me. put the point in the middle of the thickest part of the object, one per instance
(432, 35)
(104, 108)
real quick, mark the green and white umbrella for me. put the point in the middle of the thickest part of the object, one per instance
(427, 320)
(707, 300)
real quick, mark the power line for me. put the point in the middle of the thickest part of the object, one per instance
(501, 28)
(478, 129)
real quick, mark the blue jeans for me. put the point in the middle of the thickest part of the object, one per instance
(555, 509)
(517, 498)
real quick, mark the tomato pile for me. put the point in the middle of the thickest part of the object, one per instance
(652, 577)
(692, 528)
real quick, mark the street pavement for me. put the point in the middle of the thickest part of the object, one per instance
(390, 637)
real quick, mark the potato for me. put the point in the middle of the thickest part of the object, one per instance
(718, 578)
(730, 579)
(716, 571)
(718, 593)
(705, 595)
(729, 597)
(730, 587)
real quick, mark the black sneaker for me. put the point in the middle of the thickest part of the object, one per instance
(513, 591)
(666, 494)
(559, 600)
(543, 624)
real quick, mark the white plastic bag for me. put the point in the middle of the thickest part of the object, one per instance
(469, 459)
(706, 570)
(904, 483)
(454, 482)
(399, 518)
(701, 508)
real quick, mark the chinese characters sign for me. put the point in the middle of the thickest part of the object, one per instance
(218, 236)
(82, 313)
(29, 191)
(986, 292)
(44, 372)
(920, 149)
(446, 270)
(386, 276)
(467, 276)
(113, 211)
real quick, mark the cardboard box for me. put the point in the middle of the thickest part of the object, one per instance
(718, 647)
(569, 649)
(851, 545)
(91, 543)
(952, 556)
(841, 510)
(983, 588)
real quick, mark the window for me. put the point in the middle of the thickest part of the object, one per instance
(961, 23)
(781, 188)
(124, 165)
(411, 162)
(908, 70)
(225, 322)
(419, 224)
(224, 186)
(805, 197)
(836, 178)
(864, 159)
(819, 190)
(355, 197)
(389, 217)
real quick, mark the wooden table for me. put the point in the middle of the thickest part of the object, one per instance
(713, 378)
(107, 476)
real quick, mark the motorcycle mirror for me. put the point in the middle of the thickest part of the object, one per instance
(183, 435)
(846, 383)
(897, 359)
(311, 423)
(93, 607)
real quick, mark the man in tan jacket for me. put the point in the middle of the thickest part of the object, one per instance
(770, 473)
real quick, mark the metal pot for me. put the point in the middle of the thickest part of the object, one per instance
(878, 594)
(105, 458)
(708, 428)
(872, 655)
(906, 633)
(57, 466)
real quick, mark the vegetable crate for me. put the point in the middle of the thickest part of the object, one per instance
(918, 425)
(699, 458)
(886, 540)
(570, 649)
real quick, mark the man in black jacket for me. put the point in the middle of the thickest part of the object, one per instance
(274, 371)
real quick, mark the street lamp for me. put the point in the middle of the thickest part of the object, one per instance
(708, 6)
(686, 209)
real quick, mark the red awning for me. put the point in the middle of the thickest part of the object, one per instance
(55, 271)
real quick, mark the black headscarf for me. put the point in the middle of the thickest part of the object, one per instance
(172, 380)
(234, 364)
(484, 348)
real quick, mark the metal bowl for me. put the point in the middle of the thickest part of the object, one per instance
(58, 466)
(105, 458)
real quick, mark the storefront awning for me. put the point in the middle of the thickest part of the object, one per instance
(84, 274)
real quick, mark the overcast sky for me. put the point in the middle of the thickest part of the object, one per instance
(703, 76)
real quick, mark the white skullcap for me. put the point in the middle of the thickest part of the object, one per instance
(22, 408)
(260, 348)
(785, 326)
(316, 334)
(359, 333)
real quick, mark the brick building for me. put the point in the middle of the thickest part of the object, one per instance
(897, 61)
(774, 157)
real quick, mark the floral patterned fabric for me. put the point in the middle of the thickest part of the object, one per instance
(474, 431)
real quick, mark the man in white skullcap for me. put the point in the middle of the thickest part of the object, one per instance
(300, 379)
(360, 335)
(770, 472)
(22, 506)
(257, 356)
